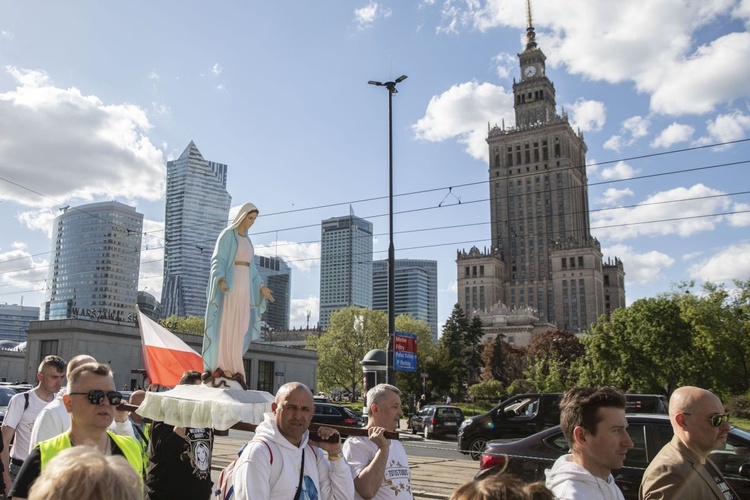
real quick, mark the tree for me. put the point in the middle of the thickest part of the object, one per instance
(549, 357)
(184, 324)
(642, 348)
(352, 333)
(502, 361)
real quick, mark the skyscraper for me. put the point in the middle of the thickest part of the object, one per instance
(543, 256)
(276, 275)
(14, 321)
(94, 272)
(415, 289)
(345, 265)
(197, 210)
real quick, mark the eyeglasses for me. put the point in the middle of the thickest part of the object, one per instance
(716, 420)
(96, 397)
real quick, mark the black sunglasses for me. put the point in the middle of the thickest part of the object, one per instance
(716, 420)
(96, 397)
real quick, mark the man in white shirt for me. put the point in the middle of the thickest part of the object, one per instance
(379, 465)
(23, 409)
(54, 419)
(594, 424)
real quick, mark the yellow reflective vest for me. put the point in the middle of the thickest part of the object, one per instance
(130, 448)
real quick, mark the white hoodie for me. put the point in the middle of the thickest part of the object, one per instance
(569, 481)
(256, 478)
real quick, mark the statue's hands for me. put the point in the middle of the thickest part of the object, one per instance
(223, 285)
(266, 293)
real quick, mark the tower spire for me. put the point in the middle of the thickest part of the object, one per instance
(530, 34)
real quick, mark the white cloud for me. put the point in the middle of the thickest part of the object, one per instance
(367, 15)
(614, 143)
(623, 223)
(620, 170)
(452, 287)
(301, 256)
(8, 35)
(587, 115)
(40, 220)
(692, 255)
(636, 126)
(673, 134)
(613, 196)
(726, 128)
(505, 65)
(18, 269)
(616, 42)
(727, 264)
(84, 148)
(216, 69)
(739, 219)
(641, 268)
(463, 112)
(300, 308)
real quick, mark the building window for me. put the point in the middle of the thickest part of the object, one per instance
(265, 376)
(580, 261)
(47, 348)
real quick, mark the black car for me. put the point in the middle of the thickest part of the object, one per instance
(526, 414)
(5, 394)
(528, 458)
(333, 414)
(436, 420)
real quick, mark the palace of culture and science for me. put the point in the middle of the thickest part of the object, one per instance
(543, 258)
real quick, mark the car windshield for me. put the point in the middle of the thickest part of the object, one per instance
(5, 395)
(350, 412)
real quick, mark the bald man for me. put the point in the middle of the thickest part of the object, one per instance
(280, 459)
(682, 469)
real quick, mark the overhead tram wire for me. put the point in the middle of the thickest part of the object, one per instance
(203, 243)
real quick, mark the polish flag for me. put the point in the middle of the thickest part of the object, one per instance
(165, 356)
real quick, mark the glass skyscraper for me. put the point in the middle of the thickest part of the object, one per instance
(197, 210)
(276, 275)
(415, 289)
(14, 321)
(94, 272)
(345, 265)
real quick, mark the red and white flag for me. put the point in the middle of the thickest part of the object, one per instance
(165, 356)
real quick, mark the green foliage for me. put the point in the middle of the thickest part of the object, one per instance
(739, 406)
(184, 324)
(411, 383)
(491, 389)
(549, 359)
(353, 332)
(520, 386)
(462, 339)
(502, 361)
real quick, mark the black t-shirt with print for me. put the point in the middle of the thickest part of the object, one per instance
(179, 467)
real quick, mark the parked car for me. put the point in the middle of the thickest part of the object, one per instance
(436, 420)
(526, 414)
(528, 458)
(333, 414)
(5, 394)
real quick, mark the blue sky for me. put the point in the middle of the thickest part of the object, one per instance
(96, 96)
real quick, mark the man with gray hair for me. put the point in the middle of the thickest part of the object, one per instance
(379, 465)
(682, 470)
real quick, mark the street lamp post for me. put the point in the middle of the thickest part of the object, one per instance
(391, 86)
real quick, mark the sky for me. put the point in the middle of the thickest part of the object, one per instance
(96, 96)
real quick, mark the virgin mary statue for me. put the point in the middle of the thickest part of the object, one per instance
(236, 299)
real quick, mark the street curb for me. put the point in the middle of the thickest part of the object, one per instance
(427, 494)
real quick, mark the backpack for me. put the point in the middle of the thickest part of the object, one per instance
(225, 483)
(25, 407)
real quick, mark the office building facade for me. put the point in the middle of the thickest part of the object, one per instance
(94, 271)
(542, 256)
(345, 265)
(276, 275)
(415, 289)
(197, 210)
(14, 321)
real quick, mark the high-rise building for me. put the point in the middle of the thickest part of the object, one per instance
(94, 271)
(414, 287)
(14, 321)
(345, 265)
(197, 210)
(543, 256)
(149, 306)
(276, 275)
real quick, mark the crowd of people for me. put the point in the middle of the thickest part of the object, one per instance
(73, 443)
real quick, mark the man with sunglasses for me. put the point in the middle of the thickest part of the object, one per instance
(91, 400)
(682, 469)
